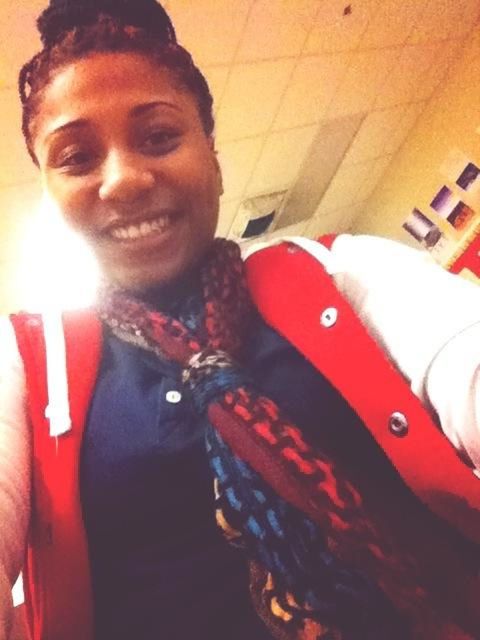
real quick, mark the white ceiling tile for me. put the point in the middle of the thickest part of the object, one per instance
(471, 48)
(448, 51)
(281, 160)
(228, 211)
(276, 28)
(19, 39)
(374, 134)
(374, 173)
(345, 187)
(456, 81)
(391, 23)
(334, 220)
(363, 81)
(16, 165)
(219, 23)
(310, 89)
(217, 80)
(237, 160)
(335, 30)
(252, 97)
(444, 19)
(19, 206)
(404, 126)
(404, 82)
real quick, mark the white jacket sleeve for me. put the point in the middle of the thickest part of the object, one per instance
(427, 320)
(15, 456)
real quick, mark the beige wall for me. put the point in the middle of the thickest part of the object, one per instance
(449, 126)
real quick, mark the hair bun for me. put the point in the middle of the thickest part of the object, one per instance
(63, 15)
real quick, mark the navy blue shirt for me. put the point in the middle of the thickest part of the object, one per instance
(160, 567)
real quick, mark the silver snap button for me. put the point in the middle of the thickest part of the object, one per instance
(173, 397)
(329, 317)
(398, 424)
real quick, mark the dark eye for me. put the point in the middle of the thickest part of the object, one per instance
(75, 160)
(160, 141)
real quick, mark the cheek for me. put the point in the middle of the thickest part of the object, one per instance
(207, 207)
(206, 192)
(73, 201)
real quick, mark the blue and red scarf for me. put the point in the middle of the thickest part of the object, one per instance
(323, 565)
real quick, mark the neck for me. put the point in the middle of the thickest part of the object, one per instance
(166, 296)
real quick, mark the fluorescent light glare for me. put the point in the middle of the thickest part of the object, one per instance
(58, 271)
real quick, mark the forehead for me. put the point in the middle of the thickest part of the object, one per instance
(109, 84)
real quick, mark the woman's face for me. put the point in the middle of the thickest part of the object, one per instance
(122, 151)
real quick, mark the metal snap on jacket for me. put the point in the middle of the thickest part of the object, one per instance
(329, 317)
(173, 397)
(398, 424)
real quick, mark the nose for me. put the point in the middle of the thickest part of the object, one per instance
(125, 178)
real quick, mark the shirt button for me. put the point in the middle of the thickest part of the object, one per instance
(173, 397)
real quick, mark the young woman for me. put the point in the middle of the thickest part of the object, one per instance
(205, 459)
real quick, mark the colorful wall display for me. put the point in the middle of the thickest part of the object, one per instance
(422, 229)
(463, 242)
(469, 179)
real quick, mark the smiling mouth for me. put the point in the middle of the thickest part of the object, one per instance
(131, 232)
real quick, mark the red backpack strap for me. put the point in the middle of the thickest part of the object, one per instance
(57, 575)
(295, 296)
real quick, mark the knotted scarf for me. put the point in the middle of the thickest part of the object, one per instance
(322, 566)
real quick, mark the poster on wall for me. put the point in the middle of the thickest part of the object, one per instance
(451, 208)
(461, 216)
(422, 229)
(469, 179)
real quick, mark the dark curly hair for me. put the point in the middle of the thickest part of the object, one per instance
(73, 30)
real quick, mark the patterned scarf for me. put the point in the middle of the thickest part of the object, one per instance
(322, 566)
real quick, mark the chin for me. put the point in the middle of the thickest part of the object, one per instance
(155, 269)
(145, 277)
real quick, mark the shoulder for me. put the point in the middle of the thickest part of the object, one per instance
(410, 305)
(403, 290)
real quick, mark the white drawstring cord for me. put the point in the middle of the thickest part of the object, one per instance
(58, 408)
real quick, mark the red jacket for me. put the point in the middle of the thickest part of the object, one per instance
(56, 575)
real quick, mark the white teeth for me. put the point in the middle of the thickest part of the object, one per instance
(132, 232)
(122, 234)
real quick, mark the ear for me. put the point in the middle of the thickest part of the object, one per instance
(211, 142)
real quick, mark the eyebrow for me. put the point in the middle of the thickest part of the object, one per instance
(136, 112)
(141, 109)
(75, 124)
